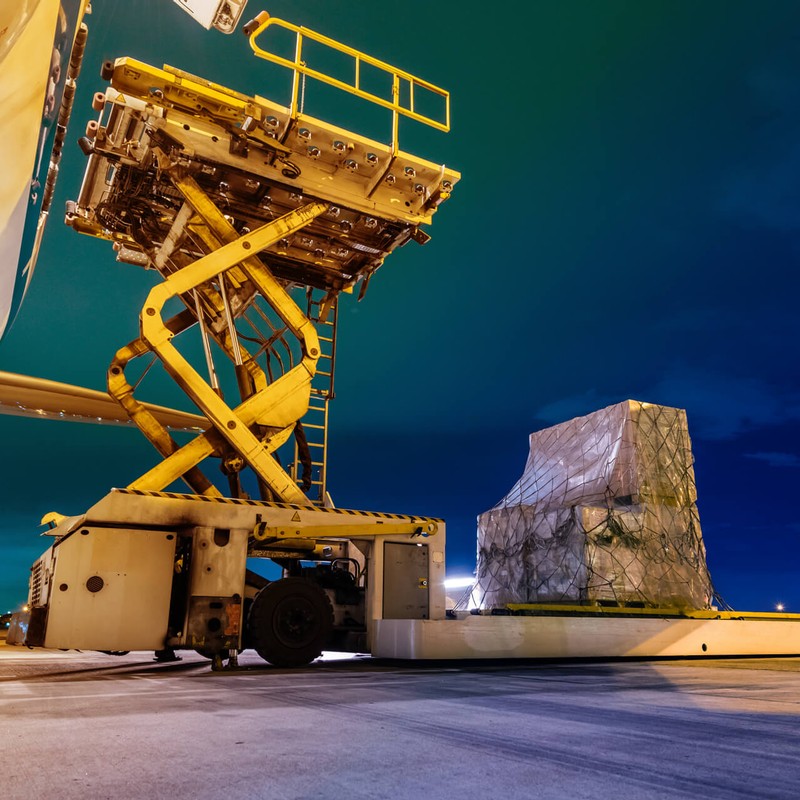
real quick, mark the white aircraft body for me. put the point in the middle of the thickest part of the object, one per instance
(40, 50)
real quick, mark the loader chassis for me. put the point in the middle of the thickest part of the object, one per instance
(110, 584)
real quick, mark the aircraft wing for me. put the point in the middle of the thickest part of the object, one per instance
(24, 396)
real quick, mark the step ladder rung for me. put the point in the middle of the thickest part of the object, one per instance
(321, 392)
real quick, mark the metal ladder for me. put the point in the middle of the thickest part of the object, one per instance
(315, 421)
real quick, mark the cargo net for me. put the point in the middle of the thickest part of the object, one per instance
(604, 514)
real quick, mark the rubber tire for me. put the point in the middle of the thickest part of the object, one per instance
(290, 622)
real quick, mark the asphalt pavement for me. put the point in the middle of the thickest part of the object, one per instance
(85, 725)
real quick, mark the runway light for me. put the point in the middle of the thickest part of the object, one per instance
(458, 583)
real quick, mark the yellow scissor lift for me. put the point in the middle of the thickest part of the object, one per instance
(256, 216)
(236, 200)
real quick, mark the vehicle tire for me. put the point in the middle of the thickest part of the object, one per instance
(290, 621)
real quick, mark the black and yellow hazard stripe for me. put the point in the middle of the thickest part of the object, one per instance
(264, 504)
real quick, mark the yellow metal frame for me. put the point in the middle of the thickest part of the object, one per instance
(424, 528)
(299, 67)
(670, 611)
(251, 431)
(233, 424)
(276, 406)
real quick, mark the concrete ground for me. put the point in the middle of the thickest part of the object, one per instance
(87, 726)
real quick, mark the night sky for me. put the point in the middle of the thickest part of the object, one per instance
(628, 226)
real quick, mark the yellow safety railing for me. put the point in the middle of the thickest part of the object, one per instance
(394, 104)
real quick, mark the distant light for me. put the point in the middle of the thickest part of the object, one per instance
(779, 606)
(458, 583)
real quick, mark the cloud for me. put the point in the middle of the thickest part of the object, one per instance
(723, 406)
(777, 459)
(719, 407)
(576, 406)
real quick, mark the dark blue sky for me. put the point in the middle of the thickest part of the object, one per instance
(627, 226)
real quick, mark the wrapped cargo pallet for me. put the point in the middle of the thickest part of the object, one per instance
(604, 513)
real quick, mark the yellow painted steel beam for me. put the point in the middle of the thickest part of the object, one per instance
(122, 391)
(297, 548)
(279, 403)
(272, 290)
(157, 336)
(284, 533)
(211, 265)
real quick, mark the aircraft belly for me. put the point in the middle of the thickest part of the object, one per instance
(10, 244)
(32, 77)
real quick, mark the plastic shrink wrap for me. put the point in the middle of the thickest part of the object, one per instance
(604, 513)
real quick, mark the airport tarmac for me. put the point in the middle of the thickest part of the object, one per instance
(85, 725)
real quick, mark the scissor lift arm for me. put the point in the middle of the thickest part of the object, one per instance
(223, 195)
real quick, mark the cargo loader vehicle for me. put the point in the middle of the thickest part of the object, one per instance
(257, 218)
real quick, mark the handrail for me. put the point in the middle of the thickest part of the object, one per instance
(394, 104)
